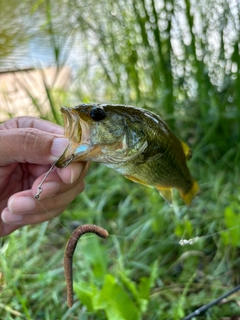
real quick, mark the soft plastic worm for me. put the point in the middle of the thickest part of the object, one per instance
(69, 251)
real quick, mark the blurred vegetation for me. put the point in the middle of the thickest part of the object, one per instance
(12, 28)
(181, 60)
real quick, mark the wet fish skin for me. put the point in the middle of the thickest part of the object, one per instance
(135, 142)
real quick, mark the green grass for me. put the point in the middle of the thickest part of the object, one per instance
(159, 262)
(141, 267)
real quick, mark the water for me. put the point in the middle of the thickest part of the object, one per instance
(26, 41)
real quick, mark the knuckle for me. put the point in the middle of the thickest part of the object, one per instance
(30, 137)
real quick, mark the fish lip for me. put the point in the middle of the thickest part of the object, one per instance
(77, 131)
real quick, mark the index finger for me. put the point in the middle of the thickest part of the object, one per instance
(32, 122)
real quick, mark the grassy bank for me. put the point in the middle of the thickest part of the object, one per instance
(158, 262)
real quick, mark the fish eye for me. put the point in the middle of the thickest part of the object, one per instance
(97, 114)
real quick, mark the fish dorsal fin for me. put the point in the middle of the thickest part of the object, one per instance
(187, 151)
(166, 193)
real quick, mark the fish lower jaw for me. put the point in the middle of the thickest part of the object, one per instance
(117, 167)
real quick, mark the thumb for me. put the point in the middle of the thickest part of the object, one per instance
(30, 145)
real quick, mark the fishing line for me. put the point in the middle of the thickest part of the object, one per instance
(40, 190)
(200, 310)
(181, 242)
(52, 216)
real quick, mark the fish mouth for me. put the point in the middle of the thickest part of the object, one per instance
(78, 132)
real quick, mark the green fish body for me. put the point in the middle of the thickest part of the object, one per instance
(135, 142)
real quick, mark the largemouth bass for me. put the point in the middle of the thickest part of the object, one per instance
(135, 142)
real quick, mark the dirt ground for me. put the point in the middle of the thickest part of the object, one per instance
(19, 88)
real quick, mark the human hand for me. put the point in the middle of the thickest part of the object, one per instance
(28, 146)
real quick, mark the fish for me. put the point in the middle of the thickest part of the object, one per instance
(135, 142)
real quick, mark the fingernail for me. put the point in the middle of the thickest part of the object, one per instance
(9, 217)
(21, 204)
(58, 147)
(50, 189)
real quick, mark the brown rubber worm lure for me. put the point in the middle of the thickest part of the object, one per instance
(69, 251)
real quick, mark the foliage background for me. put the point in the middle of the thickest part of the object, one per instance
(180, 59)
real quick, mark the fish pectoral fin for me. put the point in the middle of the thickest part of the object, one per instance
(166, 193)
(135, 180)
(187, 151)
(187, 197)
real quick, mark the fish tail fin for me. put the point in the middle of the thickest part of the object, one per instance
(187, 197)
(166, 193)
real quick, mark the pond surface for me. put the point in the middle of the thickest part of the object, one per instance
(36, 38)
(26, 40)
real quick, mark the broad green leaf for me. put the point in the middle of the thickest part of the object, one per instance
(133, 290)
(146, 283)
(116, 302)
(85, 293)
(94, 252)
(232, 222)
(144, 287)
